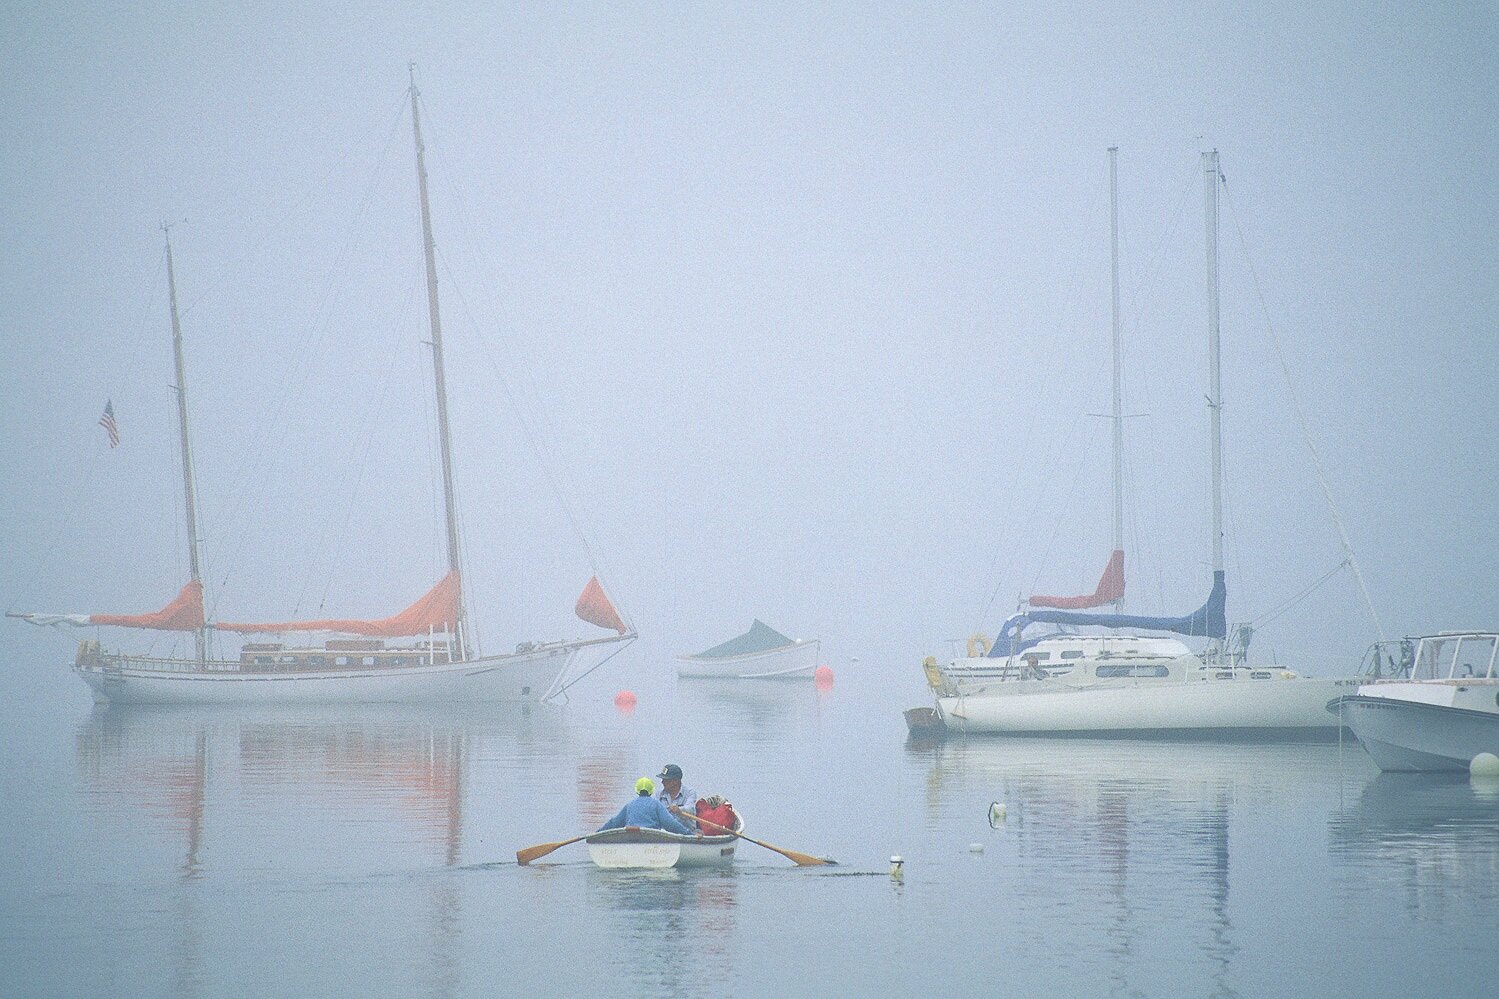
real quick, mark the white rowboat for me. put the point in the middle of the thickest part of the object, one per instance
(634, 847)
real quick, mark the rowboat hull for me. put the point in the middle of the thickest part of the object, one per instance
(646, 849)
(519, 677)
(791, 662)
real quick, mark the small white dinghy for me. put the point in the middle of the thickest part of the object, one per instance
(634, 847)
(762, 653)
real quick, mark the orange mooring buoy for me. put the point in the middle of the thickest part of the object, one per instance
(625, 700)
(823, 677)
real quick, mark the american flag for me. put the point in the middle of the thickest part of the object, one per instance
(107, 421)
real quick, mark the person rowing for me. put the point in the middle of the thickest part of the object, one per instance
(645, 812)
(673, 794)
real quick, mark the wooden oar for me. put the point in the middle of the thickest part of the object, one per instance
(540, 850)
(801, 859)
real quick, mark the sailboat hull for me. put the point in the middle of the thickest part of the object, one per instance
(1188, 706)
(520, 677)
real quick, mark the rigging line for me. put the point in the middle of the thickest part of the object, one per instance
(1072, 293)
(91, 462)
(526, 430)
(90, 467)
(323, 544)
(1301, 421)
(1140, 296)
(545, 436)
(1056, 530)
(256, 470)
(1276, 612)
(279, 226)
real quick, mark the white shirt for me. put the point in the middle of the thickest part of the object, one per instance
(685, 799)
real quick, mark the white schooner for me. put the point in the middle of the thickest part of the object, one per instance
(424, 654)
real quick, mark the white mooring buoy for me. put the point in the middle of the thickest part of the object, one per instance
(996, 814)
(975, 848)
(897, 867)
(1484, 765)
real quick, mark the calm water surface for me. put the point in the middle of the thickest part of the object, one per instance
(371, 852)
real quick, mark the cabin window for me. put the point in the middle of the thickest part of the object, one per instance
(316, 661)
(1116, 672)
(368, 661)
(1072, 654)
(262, 660)
(1260, 674)
(1039, 656)
(341, 661)
(1225, 675)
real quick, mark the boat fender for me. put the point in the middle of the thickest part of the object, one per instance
(978, 646)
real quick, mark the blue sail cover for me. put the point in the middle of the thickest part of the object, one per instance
(1208, 621)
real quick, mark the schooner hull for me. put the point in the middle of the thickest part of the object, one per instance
(1200, 706)
(791, 662)
(519, 677)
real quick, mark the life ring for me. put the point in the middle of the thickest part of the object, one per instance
(978, 646)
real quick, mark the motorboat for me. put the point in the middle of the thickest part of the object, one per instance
(634, 847)
(761, 653)
(1437, 712)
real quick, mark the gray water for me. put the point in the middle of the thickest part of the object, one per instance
(356, 852)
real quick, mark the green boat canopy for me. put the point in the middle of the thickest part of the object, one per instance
(760, 638)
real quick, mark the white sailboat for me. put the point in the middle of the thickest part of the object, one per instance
(1129, 682)
(422, 654)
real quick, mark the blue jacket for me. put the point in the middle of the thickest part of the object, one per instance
(646, 813)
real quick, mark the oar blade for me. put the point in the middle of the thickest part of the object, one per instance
(807, 860)
(530, 853)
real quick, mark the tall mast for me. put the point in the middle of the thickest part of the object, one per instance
(1210, 178)
(430, 249)
(1118, 393)
(189, 490)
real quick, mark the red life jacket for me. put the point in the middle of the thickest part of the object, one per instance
(722, 815)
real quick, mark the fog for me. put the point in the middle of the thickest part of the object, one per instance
(784, 311)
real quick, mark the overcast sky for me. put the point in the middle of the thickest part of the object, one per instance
(803, 308)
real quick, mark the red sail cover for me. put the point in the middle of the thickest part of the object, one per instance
(184, 613)
(437, 610)
(1110, 588)
(594, 607)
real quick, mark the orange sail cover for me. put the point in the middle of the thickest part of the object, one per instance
(184, 613)
(437, 610)
(594, 607)
(1110, 588)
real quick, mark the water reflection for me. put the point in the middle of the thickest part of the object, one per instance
(1143, 830)
(394, 777)
(678, 926)
(1437, 835)
(751, 707)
